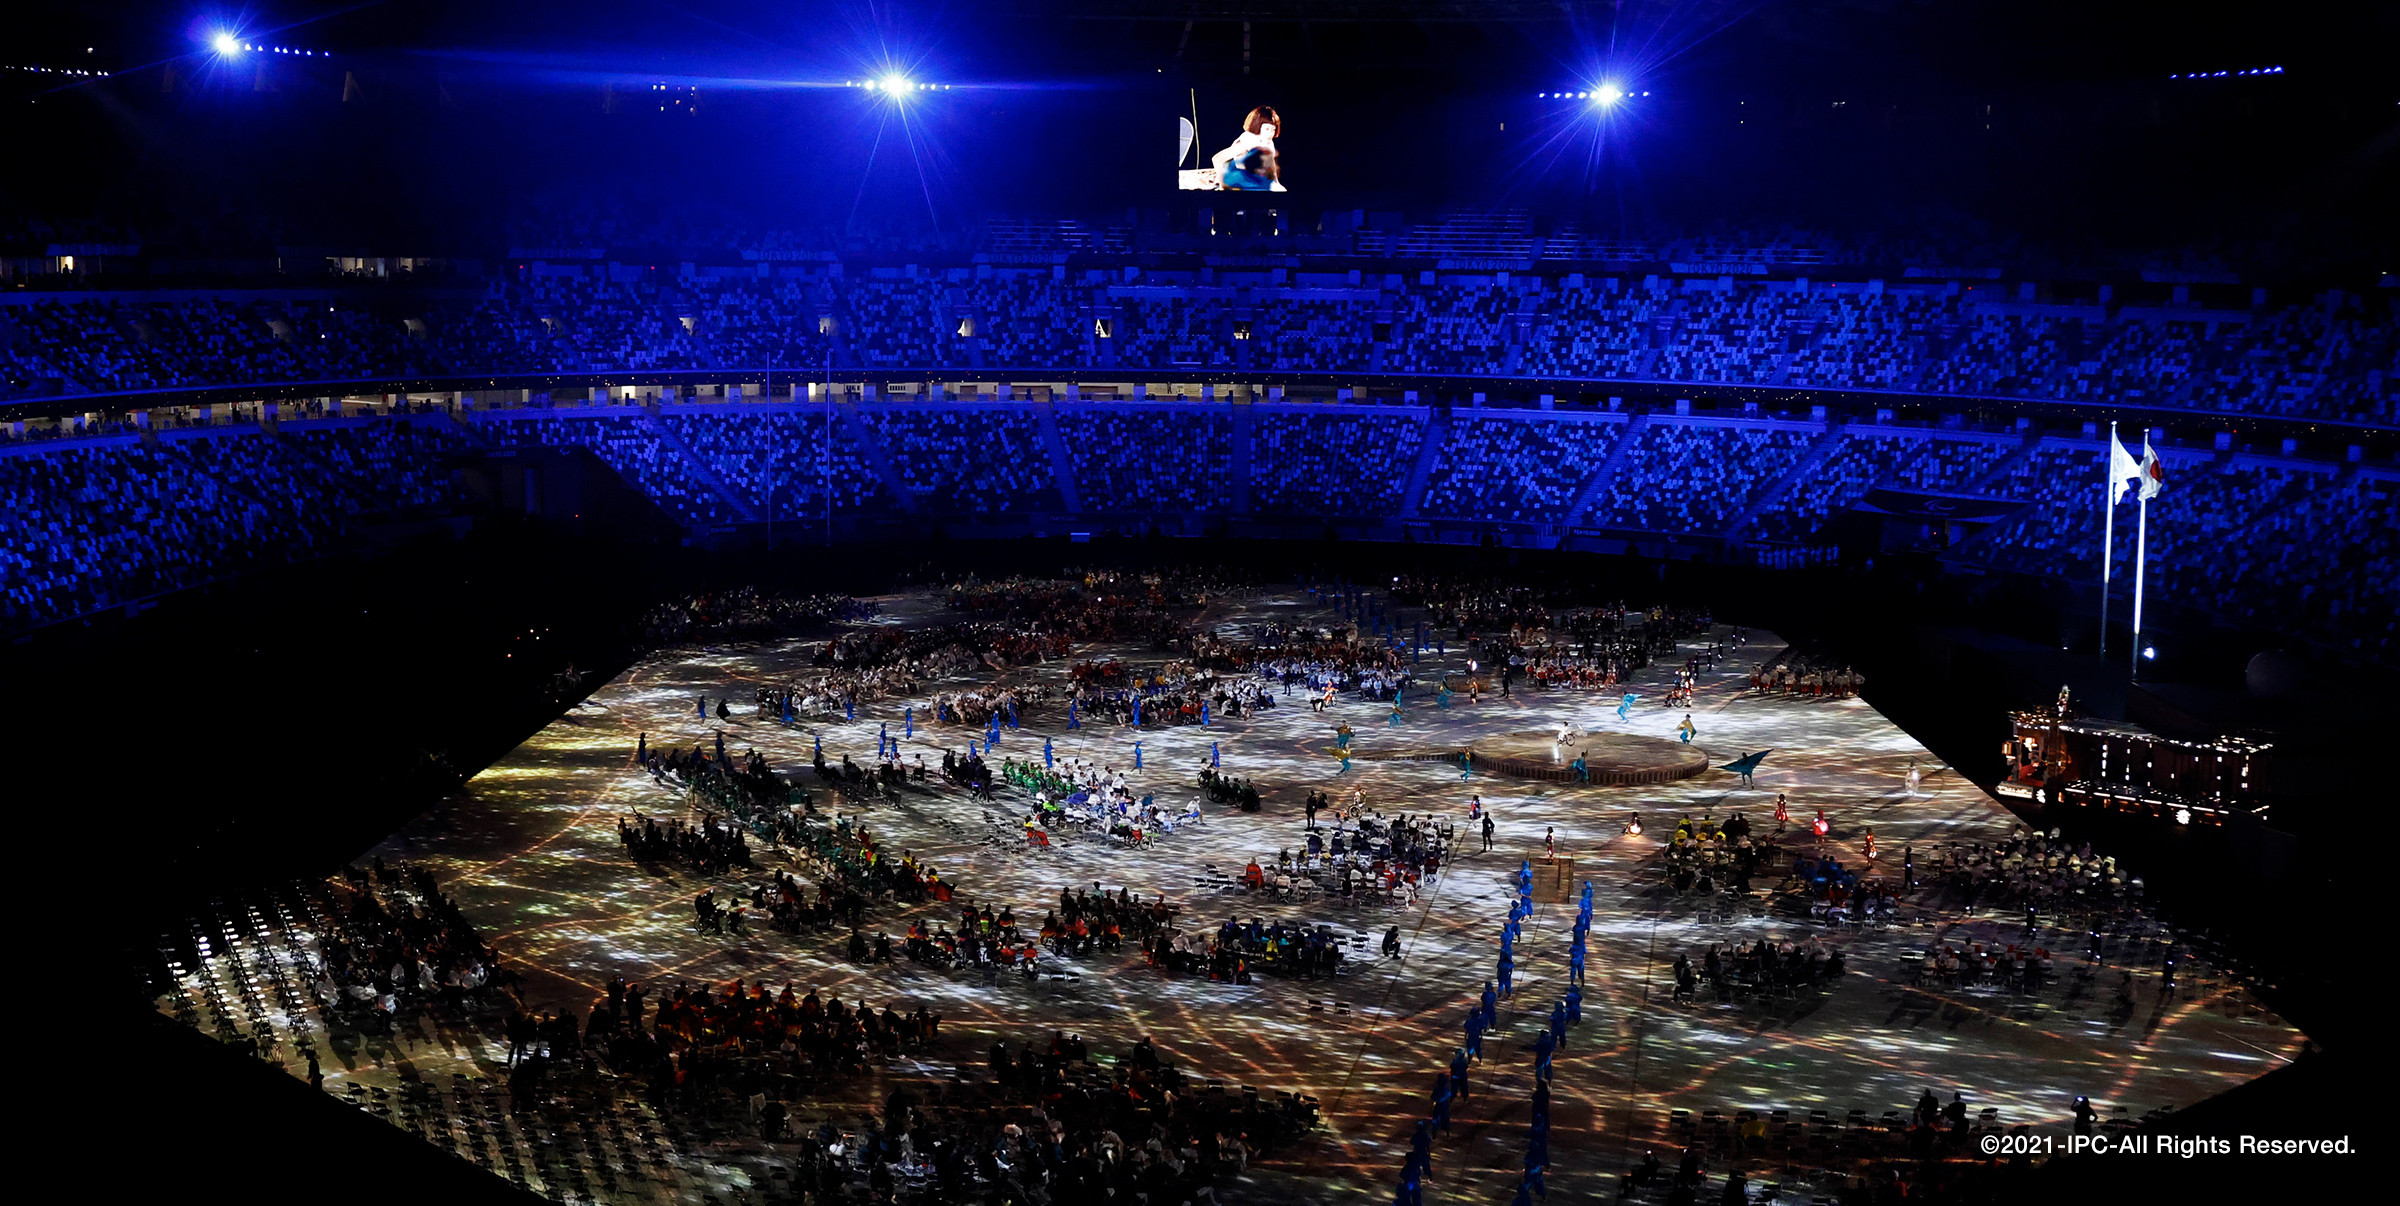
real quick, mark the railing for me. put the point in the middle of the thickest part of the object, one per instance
(1503, 393)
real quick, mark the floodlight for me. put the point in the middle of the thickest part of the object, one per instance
(228, 44)
(1608, 94)
(894, 85)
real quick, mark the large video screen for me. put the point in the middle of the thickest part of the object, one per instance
(1225, 149)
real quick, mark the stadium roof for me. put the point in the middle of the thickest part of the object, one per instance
(1322, 11)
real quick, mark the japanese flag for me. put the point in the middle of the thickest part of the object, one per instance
(2154, 475)
(2122, 468)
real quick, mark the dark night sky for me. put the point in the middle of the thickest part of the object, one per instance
(2054, 119)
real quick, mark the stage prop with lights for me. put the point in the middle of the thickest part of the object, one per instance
(2056, 756)
(1606, 759)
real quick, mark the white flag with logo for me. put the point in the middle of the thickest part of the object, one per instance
(2154, 474)
(2122, 469)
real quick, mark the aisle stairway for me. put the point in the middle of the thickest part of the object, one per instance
(1589, 492)
(1062, 466)
(1434, 433)
(1799, 471)
(699, 468)
(862, 434)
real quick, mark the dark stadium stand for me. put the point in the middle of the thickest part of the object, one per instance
(145, 456)
(2331, 358)
(108, 519)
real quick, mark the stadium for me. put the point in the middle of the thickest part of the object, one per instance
(1610, 602)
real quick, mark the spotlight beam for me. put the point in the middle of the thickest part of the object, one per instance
(215, 44)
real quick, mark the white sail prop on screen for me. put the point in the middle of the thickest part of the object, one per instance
(1184, 137)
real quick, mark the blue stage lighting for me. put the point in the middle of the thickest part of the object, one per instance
(228, 44)
(896, 86)
(1609, 94)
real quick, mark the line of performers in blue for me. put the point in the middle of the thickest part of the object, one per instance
(1453, 1086)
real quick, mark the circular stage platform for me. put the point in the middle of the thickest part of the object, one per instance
(1613, 759)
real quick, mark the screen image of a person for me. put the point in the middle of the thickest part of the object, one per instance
(1251, 164)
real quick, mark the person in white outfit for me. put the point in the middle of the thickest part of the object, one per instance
(1251, 164)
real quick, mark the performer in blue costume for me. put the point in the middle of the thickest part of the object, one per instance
(1746, 765)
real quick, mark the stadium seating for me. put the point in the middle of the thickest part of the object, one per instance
(1157, 459)
(112, 509)
(2330, 361)
(1334, 465)
(1513, 470)
(969, 459)
(101, 519)
(778, 461)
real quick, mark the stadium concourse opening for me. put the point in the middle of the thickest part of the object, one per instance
(751, 604)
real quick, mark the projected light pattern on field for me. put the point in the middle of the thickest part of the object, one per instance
(531, 851)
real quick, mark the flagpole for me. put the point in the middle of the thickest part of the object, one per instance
(2108, 531)
(2141, 540)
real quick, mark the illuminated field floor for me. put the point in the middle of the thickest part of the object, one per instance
(530, 849)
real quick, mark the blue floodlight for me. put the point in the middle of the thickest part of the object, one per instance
(896, 85)
(1608, 94)
(228, 44)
